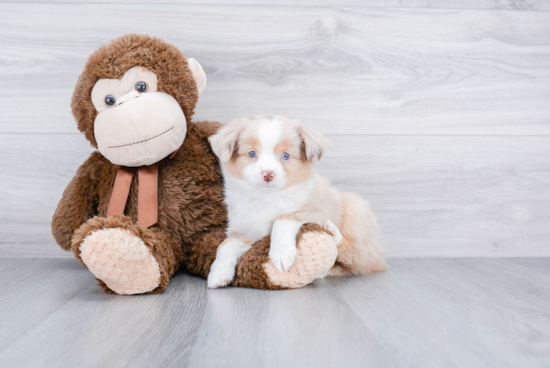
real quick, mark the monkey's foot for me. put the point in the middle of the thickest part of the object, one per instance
(126, 258)
(121, 260)
(316, 254)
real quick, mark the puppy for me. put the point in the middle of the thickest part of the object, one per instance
(271, 187)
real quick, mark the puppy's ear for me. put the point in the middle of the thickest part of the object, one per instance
(313, 143)
(224, 141)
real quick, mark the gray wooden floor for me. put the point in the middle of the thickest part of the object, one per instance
(421, 313)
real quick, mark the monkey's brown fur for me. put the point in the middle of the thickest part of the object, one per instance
(191, 213)
(250, 271)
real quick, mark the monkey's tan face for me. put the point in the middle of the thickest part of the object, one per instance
(136, 125)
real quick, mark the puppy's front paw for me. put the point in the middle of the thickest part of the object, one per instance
(220, 275)
(282, 252)
(331, 228)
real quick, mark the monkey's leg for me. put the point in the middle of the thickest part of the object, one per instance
(316, 254)
(199, 256)
(126, 258)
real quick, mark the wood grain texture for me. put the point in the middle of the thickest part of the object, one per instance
(348, 69)
(472, 313)
(526, 5)
(453, 104)
(33, 289)
(95, 329)
(437, 196)
(234, 328)
(420, 313)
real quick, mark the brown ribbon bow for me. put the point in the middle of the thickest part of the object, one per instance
(148, 202)
(147, 193)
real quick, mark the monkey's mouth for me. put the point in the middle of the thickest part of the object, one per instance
(145, 140)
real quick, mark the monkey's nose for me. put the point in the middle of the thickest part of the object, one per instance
(268, 175)
(127, 97)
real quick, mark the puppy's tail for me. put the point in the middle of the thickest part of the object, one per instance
(360, 251)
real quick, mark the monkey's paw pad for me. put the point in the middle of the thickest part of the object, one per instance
(121, 260)
(316, 254)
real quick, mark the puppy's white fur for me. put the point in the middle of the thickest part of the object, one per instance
(221, 273)
(287, 150)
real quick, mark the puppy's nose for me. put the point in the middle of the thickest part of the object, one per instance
(268, 175)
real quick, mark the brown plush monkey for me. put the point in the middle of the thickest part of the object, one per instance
(151, 197)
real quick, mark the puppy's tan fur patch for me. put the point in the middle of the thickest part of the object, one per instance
(239, 160)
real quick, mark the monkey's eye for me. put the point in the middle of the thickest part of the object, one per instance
(285, 156)
(252, 154)
(110, 100)
(141, 87)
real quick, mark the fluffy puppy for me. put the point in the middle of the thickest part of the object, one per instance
(271, 187)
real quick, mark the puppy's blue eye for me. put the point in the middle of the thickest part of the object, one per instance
(252, 154)
(286, 156)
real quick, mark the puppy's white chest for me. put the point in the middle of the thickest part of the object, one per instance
(252, 211)
(254, 217)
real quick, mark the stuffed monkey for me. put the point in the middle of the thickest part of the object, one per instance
(151, 198)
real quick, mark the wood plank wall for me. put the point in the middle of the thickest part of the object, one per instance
(438, 111)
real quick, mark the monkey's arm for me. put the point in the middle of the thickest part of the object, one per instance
(79, 201)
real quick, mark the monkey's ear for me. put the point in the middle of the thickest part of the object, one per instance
(198, 74)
